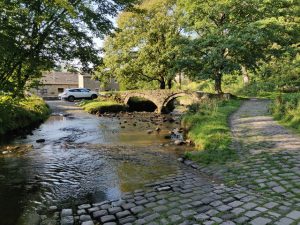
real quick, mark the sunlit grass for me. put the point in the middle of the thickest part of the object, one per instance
(209, 129)
(102, 106)
(19, 113)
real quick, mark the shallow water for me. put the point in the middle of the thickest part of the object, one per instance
(84, 158)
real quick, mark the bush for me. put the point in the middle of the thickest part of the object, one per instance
(18, 114)
(98, 106)
(286, 108)
(208, 127)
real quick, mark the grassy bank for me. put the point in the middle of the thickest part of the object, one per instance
(102, 106)
(208, 126)
(286, 109)
(20, 114)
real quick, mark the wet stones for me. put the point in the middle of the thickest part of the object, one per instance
(84, 206)
(179, 142)
(99, 214)
(40, 140)
(88, 223)
(122, 214)
(84, 218)
(108, 218)
(114, 210)
(53, 208)
(67, 217)
(166, 188)
(66, 212)
(137, 209)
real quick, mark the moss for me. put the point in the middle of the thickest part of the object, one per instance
(18, 114)
(209, 128)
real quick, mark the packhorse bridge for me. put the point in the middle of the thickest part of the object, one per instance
(161, 98)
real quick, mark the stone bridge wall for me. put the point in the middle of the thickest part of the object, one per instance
(162, 97)
(159, 97)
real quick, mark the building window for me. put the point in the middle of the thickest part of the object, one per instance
(60, 90)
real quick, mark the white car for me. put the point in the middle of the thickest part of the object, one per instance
(77, 93)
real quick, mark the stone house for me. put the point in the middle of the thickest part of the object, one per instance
(54, 83)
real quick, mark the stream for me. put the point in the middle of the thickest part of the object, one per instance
(84, 158)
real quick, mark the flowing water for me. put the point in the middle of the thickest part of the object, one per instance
(84, 158)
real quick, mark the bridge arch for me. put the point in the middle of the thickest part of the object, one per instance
(177, 95)
(143, 96)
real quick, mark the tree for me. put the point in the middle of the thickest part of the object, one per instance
(36, 35)
(283, 72)
(143, 51)
(227, 35)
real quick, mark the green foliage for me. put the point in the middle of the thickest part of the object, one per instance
(17, 114)
(286, 108)
(209, 128)
(225, 35)
(35, 35)
(99, 106)
(282, 72)
(143, 51)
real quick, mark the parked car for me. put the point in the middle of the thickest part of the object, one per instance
(77, 93)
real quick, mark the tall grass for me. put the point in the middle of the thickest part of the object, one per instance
(286, 109)
(18, 114)
(208, 124)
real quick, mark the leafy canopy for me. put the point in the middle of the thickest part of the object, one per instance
(227, 34)
(35, 35)
(143, 51)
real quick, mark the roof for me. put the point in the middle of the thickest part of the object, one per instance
(60, 78)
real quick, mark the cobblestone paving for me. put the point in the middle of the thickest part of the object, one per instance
(262, 188)
(256, 131)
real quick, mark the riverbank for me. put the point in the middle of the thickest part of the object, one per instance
(209, 129)
(19, 116)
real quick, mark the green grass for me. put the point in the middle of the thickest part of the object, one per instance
(21, 113)
(208, 125)
(102, 106)
(286, 109)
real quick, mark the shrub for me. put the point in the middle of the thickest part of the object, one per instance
(286, 108)
(21, 113)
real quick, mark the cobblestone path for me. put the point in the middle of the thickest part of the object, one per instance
(261, 188)
(257, 132)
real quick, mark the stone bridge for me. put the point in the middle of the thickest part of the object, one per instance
(160, 97)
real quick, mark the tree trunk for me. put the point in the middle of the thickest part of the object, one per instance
(218, 83)
(180, 80)
(162, 84)
(246, 78)
(170, 83)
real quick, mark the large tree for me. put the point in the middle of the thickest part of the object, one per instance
(36, 35)
(227, 35)
(143, 50)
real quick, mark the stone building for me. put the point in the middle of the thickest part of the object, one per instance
(86, 81)
(54, 83)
